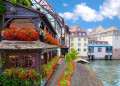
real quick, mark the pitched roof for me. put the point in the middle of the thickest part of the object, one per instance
(21, 45)
(75, 29)
(109, 29)
(100, 29)
(96, 30)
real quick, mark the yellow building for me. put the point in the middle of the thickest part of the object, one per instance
(79, 40)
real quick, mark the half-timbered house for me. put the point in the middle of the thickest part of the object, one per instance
(32, 53)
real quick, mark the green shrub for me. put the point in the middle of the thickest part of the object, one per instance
(71, 55)
(20, 77)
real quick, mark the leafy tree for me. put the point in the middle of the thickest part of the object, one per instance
(71, 55)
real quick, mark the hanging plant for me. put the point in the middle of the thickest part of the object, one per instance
(23, 2)
(48, 38)
(12, 10)
(2, 10)
(2, 7)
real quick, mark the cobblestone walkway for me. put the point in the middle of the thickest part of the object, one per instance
(58, 71)
(84, 76)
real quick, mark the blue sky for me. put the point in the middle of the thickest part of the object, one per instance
(88, 14)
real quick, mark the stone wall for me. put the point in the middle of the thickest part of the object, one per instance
(116, 53)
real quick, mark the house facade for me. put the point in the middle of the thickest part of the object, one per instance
(79, 40)
(99, 50)
(22, 51)
(111, 35)
(65, 40)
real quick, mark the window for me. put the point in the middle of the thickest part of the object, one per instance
(71, 44)
(84, 44)
(79, 34)
(100, 43)
(84, 39)
(79, 49)
(116, 32)
(79, 44)
(83, 34)
(72, 39)
(24, 61)
(84, 50)
(108, 49)
(72, 34)
(79, 39)
(105, 43)
(91, 49)
(94, 43)
(78, 28)
(62, 30)
(99, 49)
(90, 42)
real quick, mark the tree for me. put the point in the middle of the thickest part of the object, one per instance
(71, 55)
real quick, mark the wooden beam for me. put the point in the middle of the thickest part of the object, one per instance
(40, 63)
(35, 23)
(3, 23)
(7, 22)
(44, 27)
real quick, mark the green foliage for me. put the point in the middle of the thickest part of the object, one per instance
(2, 10)
(20, 77)
(23, 2)
(71, 55)
(66, 76)
(48, 68)
(2, 7)
(27, 3)
(2, 61)
(13, 1)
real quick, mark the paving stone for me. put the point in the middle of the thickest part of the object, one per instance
(84, 76)
(58, 71)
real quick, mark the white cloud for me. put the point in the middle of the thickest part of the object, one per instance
(65, 5)
(66, 15)
(89, 30)
(109, 9)
(86, 13)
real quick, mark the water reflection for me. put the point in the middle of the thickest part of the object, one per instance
(107, 70)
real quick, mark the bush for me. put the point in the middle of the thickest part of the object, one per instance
(71, 55)
(66, 76)
(19, 77)
(48, 68)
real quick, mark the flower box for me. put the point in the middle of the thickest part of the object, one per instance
(66, 76)
(47, 69)
(47, 37)
(15, 33)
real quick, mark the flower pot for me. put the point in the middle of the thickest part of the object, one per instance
(12, 10)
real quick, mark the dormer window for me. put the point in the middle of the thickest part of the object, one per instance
(116, 32)
(79, 34)
(83, 34)
(78, 28)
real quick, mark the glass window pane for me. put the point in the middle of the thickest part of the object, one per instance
(79, 34)
(79, 39)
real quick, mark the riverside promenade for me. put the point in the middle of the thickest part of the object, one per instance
(83, 75)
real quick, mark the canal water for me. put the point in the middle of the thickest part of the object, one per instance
(108, 71)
